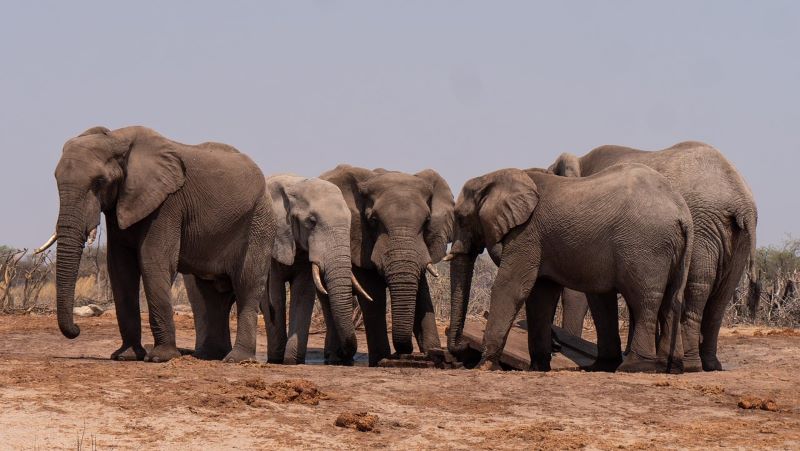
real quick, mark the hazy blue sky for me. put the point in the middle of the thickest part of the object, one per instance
(462, 87)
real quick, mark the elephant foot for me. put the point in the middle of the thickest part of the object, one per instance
(277, 361)
(339, 362)
(238, 355)
(692, 364)
(634, 363)
(489, 365)
(162, 353)
(294, 360)
(540, 363)
(605, 365)
(129, 353)
(210, 353)
(711, 363)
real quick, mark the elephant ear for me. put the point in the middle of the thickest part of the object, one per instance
(507, 199)
(347, 178)
(566, 165)
(283, 249)
(439, 230)
(153, 171)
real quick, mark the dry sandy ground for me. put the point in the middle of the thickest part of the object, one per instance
(55, 393)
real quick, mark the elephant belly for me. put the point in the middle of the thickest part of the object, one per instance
(585, 275)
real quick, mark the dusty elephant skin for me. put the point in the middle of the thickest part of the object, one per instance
(724, 215)
(169, 208)
(313, 229)
(627, 214)
(401, 224)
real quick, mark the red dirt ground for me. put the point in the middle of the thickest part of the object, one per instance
(66, 394)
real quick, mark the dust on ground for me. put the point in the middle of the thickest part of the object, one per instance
(57, 393)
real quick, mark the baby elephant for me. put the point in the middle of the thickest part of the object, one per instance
(312, 254)
(623, 230)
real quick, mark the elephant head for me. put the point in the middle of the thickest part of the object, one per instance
(401, 224)
(487, 209)
(312, 216)
(126, 174)
(567, 165)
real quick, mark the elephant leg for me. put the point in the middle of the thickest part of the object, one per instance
(123, 272)
(249, 292)
(540, 308)
(712, 320)
(157, 282)
(425, 319)
(158, 263)
(374, 314)
(696, 296)
(211, 309)
(510, 289)
(302, 306)
(643, 357)
(604, 313)
(275, 316)
(573, 311)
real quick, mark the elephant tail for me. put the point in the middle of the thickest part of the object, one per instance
(747, 223)
(676, 284)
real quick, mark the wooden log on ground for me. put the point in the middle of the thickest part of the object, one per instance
(515, 354)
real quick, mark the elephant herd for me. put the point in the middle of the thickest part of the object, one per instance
(671, 231)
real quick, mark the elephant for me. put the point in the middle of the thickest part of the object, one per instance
(311, 253)
(401, 225)
(725, 218)
(170, 208)
(550, 232)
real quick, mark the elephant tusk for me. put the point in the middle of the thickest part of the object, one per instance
(432, 270)
(359, 288)
(46, 245)
(317, 279)
(92, 237)
(448, 257)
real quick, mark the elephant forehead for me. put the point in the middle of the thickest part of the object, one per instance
(77, 164)
(395, 181)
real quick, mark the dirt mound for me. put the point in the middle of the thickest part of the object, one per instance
(361, 421)
(299, 391)
(753, 402)
(779, 332)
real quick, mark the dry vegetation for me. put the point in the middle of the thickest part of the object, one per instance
(27, 283)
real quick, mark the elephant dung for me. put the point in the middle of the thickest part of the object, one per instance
(361, 421)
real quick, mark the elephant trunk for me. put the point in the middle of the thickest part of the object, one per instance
(461, 269)
(71, 231)
(403, 274)
(340, 293)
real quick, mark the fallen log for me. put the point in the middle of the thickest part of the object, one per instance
(576, 351)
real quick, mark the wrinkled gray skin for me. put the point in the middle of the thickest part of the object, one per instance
(400, 223)
(725, 218)
(169, 208)
(573, 310)
(313, 226)
(627, 215)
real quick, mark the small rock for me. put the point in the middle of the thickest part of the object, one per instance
(361, 421)
(88, 310)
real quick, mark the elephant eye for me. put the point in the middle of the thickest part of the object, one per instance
(311, 221)
(98, 183)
